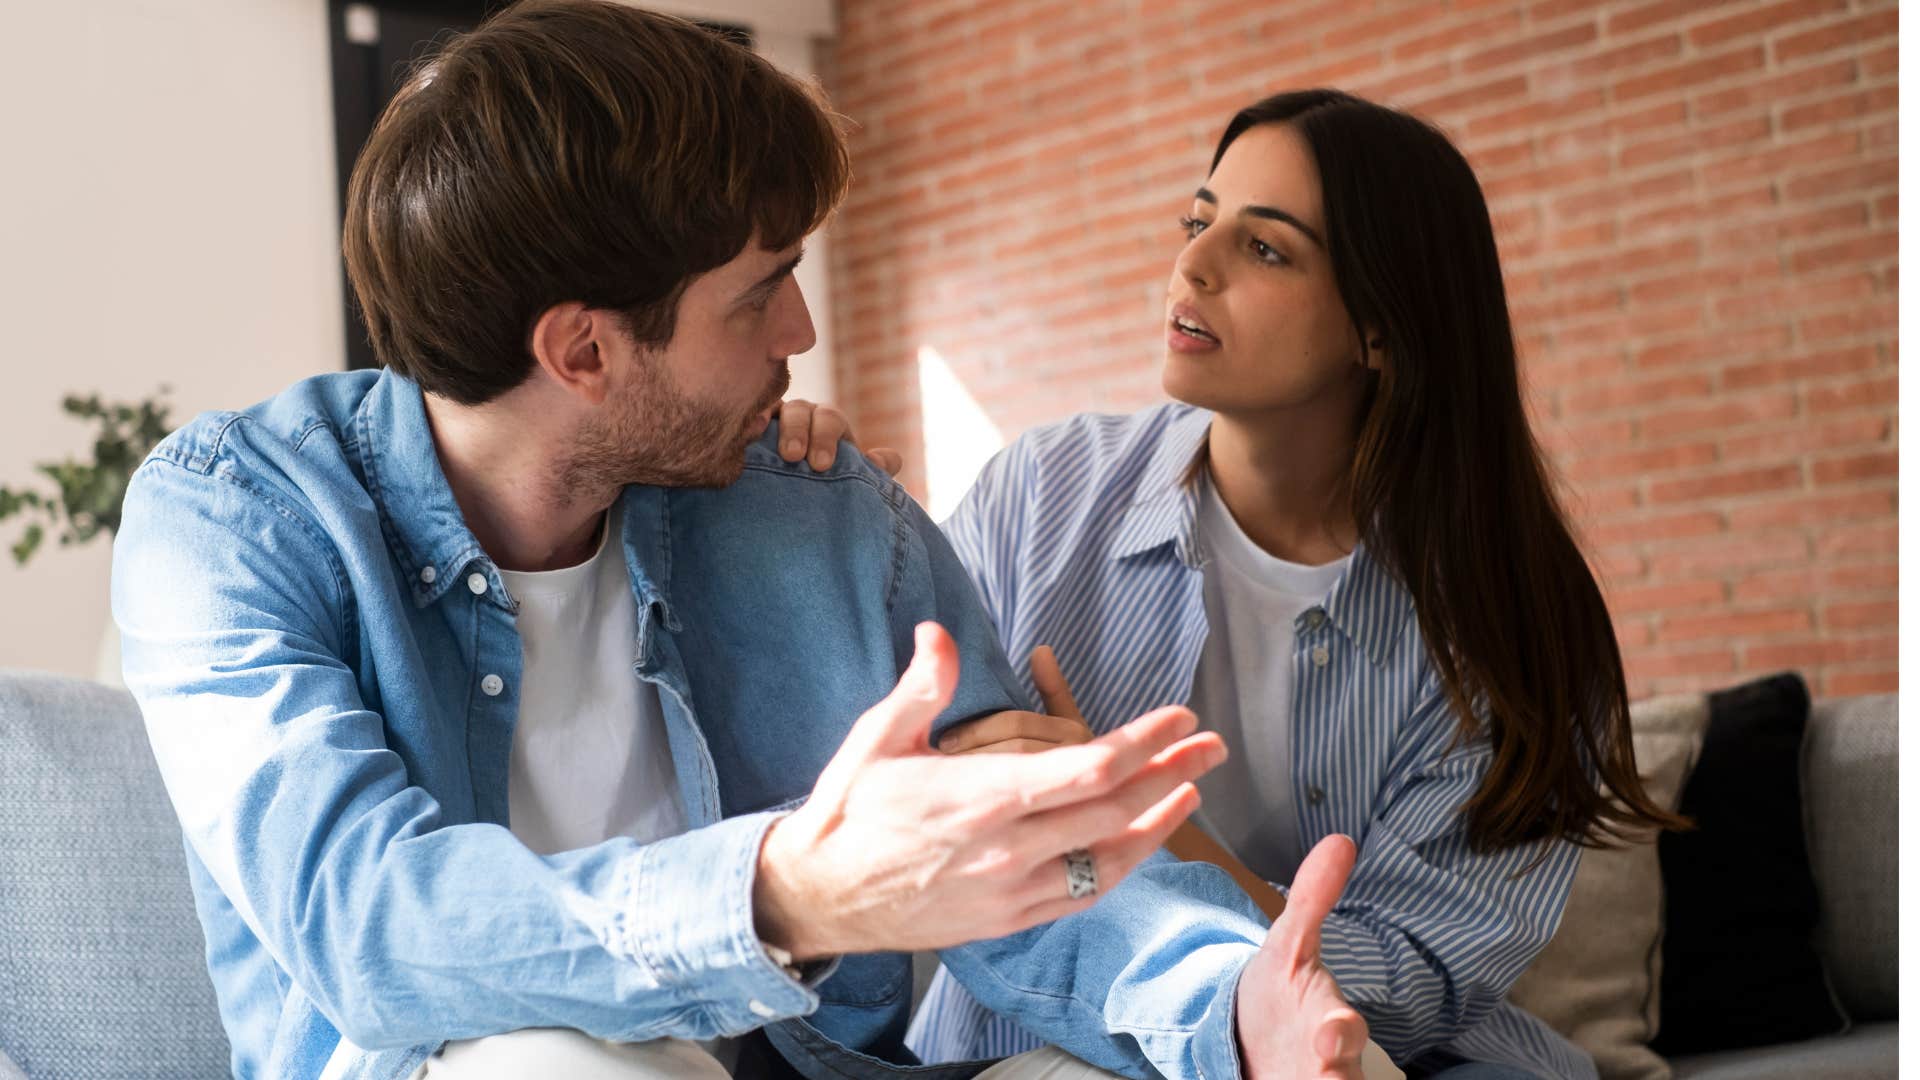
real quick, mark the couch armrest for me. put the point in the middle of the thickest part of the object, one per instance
(1850, 768)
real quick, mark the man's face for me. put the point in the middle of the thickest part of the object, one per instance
(682, 415)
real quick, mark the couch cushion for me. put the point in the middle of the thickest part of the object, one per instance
(1740, 966)
(1597, 982)
(102, 971)
(1869, 1052)
(1851, 766)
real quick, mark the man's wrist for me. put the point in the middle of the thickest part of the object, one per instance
(781, 901)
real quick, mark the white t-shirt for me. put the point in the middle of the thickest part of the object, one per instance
(590, 758)
(1243, 688)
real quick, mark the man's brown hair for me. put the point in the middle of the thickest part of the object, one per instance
(572, 150)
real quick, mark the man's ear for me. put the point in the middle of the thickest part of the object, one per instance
(569, 344)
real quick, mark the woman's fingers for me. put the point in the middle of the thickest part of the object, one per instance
(1055, 694)
(1009, 726)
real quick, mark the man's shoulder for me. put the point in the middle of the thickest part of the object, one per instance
(850, 467)
(320, 407)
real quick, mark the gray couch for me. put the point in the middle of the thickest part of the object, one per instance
(101, 960)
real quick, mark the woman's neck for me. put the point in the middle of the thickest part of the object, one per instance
(1286, 480)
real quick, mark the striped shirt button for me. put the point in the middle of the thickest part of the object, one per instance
(1320, 656)
(1314, 618)
(1316, 795)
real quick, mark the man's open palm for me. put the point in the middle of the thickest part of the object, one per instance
(1293, 1023)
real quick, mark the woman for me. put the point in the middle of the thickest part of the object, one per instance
(1342, 547)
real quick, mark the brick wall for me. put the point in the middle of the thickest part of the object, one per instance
(1696, 207)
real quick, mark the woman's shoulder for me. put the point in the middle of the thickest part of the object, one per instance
(1110, 436)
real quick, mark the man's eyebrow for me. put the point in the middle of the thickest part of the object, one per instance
(778, 275)
(1272, 213)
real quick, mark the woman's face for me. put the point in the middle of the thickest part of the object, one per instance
(1254, 320)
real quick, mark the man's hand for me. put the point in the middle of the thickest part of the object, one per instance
(815, 431)
(1293, 1023)
(901, 848)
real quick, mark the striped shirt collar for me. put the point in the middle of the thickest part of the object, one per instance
(1367, 604)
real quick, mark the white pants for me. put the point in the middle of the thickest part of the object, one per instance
(560, 1052)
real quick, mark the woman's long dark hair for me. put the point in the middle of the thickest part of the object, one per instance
(1450, 491)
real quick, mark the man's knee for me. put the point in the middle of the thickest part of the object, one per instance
(1047, 1063)
(562, 1052)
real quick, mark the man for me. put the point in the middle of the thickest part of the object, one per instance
(507, 696)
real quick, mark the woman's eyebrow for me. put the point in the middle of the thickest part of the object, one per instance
(1272, 213)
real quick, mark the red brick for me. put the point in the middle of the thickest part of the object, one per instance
(1844, 107)
(1881, 61)
(1861, 249)
(1851, 32)
(1854, 394)
(1537, 113)
(1864, 176)
(1649, 665)
(1881, 680)
(1640, 462)
(1510, 52)
(1779, 442)
(1660, 11)
(1864, 541)
(1883, 464)
(1761, 20)
(1834, 362)
(1371, 31)
(1735, 553)
(1492, 28)
(1653, 528)
(1693, 73)
(1873, 615)
(1765, 92)
(1865, 320)
(1717, 348)
(1805, 653)
(1812, 510)
(1727, 483)
(1638, 392)
(1641, 599)
(1735, 625)
(1715, 418)
(1626, 56)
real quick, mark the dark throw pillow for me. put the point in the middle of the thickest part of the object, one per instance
(1739, 964)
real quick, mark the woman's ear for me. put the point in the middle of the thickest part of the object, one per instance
(1373, 349)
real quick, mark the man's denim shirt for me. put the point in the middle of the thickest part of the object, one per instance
(328, 665)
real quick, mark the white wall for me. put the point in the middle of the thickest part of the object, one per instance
(167, 214)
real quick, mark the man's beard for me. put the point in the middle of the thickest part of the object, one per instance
(662, 436)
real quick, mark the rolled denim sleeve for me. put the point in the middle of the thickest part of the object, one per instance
(1430, 934)
(401, 926)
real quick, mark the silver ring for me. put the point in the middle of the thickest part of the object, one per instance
(1080, 877)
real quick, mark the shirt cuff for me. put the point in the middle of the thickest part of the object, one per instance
(691, 921)
(1216, 1042)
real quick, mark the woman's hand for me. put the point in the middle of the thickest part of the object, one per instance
(814, 432)
(1016, 732)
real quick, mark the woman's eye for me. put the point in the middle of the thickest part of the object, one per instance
(1192, 226)
(1267, 253)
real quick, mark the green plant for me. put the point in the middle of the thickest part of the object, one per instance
(89, 494)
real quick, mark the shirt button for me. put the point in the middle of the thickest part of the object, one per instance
(477, 584)
(1315, 796)
(428, 573)
(1315, 618)
(1320, 656)
(759, 1008)
(492, 685)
